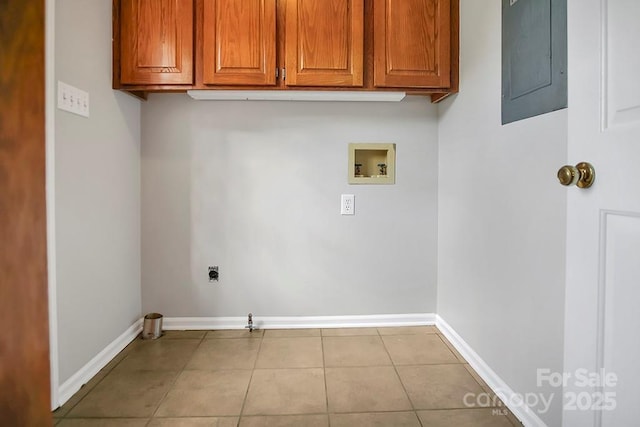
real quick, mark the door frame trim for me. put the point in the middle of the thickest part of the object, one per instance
(50, 131)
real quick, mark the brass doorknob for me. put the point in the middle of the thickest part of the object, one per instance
(583, 174)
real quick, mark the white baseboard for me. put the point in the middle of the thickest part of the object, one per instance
(297, 322)
(500, 388)
(88, 371)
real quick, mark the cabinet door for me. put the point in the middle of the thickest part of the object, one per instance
(239, 42)
(412, 43)
(156, 42)
(324, 42)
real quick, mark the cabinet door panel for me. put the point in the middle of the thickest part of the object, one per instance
(324, 42)
(239, 42)
(157, 42)
(412, 43)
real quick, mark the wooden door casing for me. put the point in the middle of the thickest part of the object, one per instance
(156, 42)
(24, 342)
(324, 43)
(412, 42)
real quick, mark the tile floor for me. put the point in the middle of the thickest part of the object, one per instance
(408, 376)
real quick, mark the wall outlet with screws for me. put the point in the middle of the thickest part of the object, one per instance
(213, 273)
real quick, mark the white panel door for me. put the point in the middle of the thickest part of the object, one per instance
(602, 322)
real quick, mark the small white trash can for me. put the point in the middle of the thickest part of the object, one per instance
(152, 327)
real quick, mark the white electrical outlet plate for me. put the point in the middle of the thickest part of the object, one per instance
(347, 204)
(73, 100)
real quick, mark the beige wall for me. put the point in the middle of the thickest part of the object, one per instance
(502, 218)
(254, 187)
(97, 192)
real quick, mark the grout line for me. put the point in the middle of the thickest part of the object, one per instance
(391, 411)
(383, 366)
(413, 406)
(253, 370)
(324, 374)
(175, 380)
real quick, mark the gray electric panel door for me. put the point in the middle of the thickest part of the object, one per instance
(534, 58)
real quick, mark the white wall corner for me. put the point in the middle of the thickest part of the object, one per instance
(299, 322)
(509, 397)
(88, 371)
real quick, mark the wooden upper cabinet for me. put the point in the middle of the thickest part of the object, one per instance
(170, 45)
(412, 43)
(156, 42)
(239, 42)
(324, 42)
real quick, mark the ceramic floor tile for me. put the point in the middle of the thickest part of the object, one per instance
(286, 421)
(452, 348)
(206, 393)
(286, 391)
(493, 399)
(235, 333)
(290, 333)
(77, 397)
(103, 422)
(86, 388)
(418, 349)
(194, 335)
(122, 355)
(354, 351)
(464, 418)
(63, 410)
(379, 419)
(144, 380)
(90, 385)
(438, 386)
(408, 330)
(225, 354)
(478, 379)
(514, 420)
(194, 422)
(160, 354)
(347, 332)
(303, 352)
(367, 389)
(125, 394)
